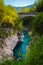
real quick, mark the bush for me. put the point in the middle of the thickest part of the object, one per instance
(36, 53)
(37, 25)
(11, 62)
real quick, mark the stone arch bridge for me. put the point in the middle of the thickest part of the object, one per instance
(23, 15)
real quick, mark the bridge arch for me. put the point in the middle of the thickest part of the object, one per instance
(23, 15)
(27, 22)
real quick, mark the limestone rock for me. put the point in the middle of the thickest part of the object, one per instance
(8, 46)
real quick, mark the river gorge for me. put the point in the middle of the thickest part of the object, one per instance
(14, 49)
(20, 49)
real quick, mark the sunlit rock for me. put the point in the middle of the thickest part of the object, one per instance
(11, 42)
(8, 47)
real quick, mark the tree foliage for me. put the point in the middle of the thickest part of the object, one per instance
(35, 56)
(8, 19)
(27, 22)
(2, 9)
(37, 25)
(39, 6)
(25, 10)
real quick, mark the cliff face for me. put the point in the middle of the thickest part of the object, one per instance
(8, 46)
(11, 42)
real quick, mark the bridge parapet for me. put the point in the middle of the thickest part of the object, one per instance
(28, 12)
(23, 15)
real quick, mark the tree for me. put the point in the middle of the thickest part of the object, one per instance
(37, 25)
(32, 9)
(39, 6)
(2, 9)
(27, 22)
(7, 20)
(25, 10)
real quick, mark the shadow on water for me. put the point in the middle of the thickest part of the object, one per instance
(20, 50)
(16, 50)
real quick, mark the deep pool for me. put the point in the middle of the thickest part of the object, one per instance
(20, 50)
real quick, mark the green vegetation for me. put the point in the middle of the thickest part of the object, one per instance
(27, 22)
(39, 6)
(9, 24)
(32, 9)
(10, 62)
(37, 26)
(8, 20)
(36, 52)
(25, 10)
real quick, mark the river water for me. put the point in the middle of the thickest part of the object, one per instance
(21, 48)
